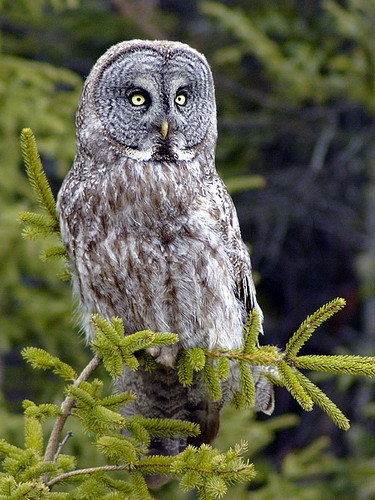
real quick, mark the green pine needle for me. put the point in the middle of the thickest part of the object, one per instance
(222, 367)
(9, 450)
(163, 339)
(81, 396)
(185, 370)
(32, 232)
(212, 381)
(216, 487)
(197, 358)
(247, 385)
(116, 401)
(36, 175)
(37, 221)
(117, 349)
(353, 365)
(64, 275)
(104, 328)
(56, 252)
(137, 430)
(94, 388)
(237, 402)
(289, 378)
(118, 449)
(169, 427)
(34, 434)
(251, 332)
(323, 402)
(148, 362)
(41, 359)
(310, 324)
(41, 411)
(140, 491)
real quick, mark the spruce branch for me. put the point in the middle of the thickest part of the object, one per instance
(212, 380)
(117, 448)
(310, 324)
(282, 368)
(322, 400)
(352, 365)
(140, 486)
(184, 369)
(34, 222)
(39, 358)
(66, 407)
(37, 225)
(117, 349)
(55, 252)
(197, 468)
(37, 176)
(205, 469)
(289, 378)
(247, 385)
(159, 427)
(251, 332)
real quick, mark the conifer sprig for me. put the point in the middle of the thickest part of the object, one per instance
(205, 469)
(352, 365)
(322, 400)
(37, 225)
(281, 368)
(311, 323)
(29, 475)
(251, 332)
(43, 360)
(117, 349)
(38, 180)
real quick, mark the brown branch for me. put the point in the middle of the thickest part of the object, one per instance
(253, 358)
(89, 470)
(128, 467)
(66, 407)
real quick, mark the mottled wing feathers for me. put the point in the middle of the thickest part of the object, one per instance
(236, 249)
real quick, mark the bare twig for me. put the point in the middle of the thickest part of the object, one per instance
(140, 465)
(62, 444)
(66, 406)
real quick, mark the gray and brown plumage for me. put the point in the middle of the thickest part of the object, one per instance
(150, 229)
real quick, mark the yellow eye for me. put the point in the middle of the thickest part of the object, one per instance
(138, 99)
(180, 99)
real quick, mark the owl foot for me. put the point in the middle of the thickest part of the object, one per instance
(165, 355)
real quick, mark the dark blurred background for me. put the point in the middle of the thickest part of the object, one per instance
(295, 85)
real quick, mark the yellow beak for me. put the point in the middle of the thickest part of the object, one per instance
(164, 129)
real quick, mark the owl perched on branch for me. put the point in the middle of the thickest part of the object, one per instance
(150, 229)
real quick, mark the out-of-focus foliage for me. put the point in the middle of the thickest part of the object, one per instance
(34, 305)
(296, 93)
(305, 59)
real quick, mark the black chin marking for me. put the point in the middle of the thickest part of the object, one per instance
(163, 151)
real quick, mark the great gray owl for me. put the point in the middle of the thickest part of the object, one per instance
(150, 229)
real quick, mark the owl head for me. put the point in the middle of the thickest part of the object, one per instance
(150, 100)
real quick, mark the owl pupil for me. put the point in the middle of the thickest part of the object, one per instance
(137, 99)
(180, 99)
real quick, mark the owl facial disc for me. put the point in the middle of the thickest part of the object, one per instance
(155, 103)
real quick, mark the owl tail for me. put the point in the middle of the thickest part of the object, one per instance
(160, 395)
(264, 389)
(206, 414)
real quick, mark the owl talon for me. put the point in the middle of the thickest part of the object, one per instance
(154, 351)
(164, 355)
